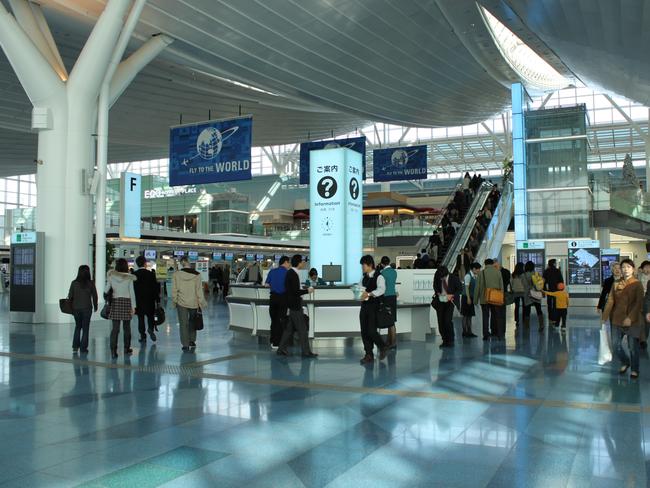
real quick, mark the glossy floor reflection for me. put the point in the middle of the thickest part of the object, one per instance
(535, 411)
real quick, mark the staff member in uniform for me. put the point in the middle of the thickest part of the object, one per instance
(296, 315)
(447, 288)
(390, 297)
(278, 303)
(374, 286)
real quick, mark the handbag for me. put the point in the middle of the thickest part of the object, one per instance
(509, 298)
(604, 348)
(436, 304)
(196, 319)
(159, 316)
(65, 305)
(384, 317)
(494, 296)
(106, 311)
(536, 295)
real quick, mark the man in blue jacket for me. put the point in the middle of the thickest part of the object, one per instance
(278, 304)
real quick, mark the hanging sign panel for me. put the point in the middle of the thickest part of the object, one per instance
(210, 152)
(357, 144)
(584, 262)
(399, 163)
(130, 204)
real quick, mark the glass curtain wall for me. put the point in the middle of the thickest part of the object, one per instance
(559, 200)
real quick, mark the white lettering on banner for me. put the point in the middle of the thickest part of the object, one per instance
(228, 166)
(168, 192)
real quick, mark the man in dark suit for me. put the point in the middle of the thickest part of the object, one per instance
(296, 323)
(147, 296)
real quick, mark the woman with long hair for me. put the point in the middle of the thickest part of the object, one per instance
(529, 301)
(83, 296)
(624, 310)
(120, 286)
(518, 285)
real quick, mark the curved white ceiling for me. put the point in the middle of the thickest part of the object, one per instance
(605, 43)
(330, 65)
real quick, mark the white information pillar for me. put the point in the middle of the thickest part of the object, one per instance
(336, 210)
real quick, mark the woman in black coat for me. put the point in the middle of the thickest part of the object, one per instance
(607, 286)
(447, 288)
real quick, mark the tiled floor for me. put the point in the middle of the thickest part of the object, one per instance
(537, 411)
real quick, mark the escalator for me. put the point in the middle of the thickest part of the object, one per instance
(462, 237)
(496, 231)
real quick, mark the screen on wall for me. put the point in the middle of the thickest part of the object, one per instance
(250, 257)
(229, 256)
(584, 263)
(607, 257)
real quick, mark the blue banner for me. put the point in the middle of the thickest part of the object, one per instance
(210, 152)
(357, 144)
(400, 163)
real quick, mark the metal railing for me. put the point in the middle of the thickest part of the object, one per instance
(496, 231)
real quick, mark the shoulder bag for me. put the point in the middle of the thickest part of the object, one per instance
(65, 305)
(493, 296)
(106, 309)
(384, 318)
(196, 319)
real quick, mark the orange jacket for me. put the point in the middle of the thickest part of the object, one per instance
(561, 298)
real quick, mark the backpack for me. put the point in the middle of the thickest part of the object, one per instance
(518, 284)
(538, 281)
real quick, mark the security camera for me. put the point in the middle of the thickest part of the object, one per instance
(38, 161)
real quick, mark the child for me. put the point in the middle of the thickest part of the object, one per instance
(561, 303)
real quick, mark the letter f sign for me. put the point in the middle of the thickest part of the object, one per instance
(133, 184)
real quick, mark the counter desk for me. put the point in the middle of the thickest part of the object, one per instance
(332, 310)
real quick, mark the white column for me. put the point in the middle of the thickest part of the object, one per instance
(65, 147)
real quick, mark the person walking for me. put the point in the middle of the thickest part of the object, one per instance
(447, 288)
(533, 285)
(296, 316)
(518, 285)
(83, 296)
(467, 308)
(561, 303)
(390, 297)
(624, 310)
(552, 277)
(489, 278)
(188, 298)
(147, 298)
(120, 286)
(276, 279)
(374, 287)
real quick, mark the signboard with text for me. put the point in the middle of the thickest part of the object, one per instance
(130, 205)
(335, 210)
(399, 163)
(210, 152)
(584, 262)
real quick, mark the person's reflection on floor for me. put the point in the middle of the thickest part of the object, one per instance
(147, 383)
(189, 395)
(625, 448)
(82, 395)
(557, 352)
(283, 370)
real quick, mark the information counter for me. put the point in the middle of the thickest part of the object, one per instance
(332, 310)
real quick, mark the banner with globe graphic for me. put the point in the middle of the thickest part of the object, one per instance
(400, 163)
(210, 152)
(357, 144)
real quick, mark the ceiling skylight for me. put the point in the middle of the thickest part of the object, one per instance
(533, 70)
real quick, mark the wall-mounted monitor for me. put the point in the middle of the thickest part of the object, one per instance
(217, 256)
(150, 254)
(193, 255)
(179, 254)
(229, 256)
(250, 256)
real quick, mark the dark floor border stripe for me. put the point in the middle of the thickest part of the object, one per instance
(194, 370)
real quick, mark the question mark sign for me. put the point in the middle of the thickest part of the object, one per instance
(328, 185)
(354, 188)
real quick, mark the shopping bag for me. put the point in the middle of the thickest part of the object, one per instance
(604, 348)
(196, 319)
